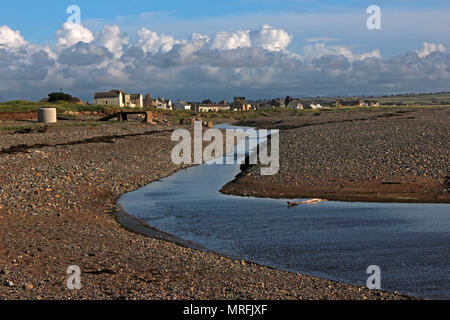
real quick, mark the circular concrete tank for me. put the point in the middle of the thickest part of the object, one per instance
(47, 115)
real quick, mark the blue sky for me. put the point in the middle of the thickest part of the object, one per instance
(38, 20)
(151, 47)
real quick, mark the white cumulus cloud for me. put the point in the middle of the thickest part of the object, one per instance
(112, 39)
(151, 42)
(231, 40)
(10, 38)
(72, 33)
(270, 38)
(255, 63)
(429, 48)
(317, 50)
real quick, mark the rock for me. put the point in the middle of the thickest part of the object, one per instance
(187, 121)
(28, 286)
(9, 283)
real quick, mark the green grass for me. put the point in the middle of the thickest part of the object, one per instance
(417, 99)
(23, 106)
(401, 99)
(382, 108)
(15, 128)
(176, 115)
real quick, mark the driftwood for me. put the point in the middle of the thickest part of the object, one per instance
(311, 201)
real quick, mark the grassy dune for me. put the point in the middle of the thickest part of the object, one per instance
(405, 101)
(23, 106)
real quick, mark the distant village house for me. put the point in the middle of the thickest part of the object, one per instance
(314, 106)
(182, 105)
(162, 103)
(211, 107)
(240, 104)
(118, 98)
(295, 104)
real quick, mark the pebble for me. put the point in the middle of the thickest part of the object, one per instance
(145, 269)
(9, 283)
(28, 286)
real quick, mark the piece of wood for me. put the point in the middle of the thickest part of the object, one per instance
(310, 201)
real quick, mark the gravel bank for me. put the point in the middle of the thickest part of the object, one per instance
(58, 193)
(399, 156)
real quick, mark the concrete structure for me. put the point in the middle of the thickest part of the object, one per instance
(47, 115)
(123, 116)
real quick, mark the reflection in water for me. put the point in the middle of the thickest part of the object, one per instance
(333, 240)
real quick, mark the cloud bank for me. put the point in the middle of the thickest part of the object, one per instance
(255, 63)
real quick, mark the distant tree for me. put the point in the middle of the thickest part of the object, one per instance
(207, 101)
(287, 100)
(60, 96)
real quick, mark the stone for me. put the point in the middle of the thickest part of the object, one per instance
(28, 286)
(9, 283)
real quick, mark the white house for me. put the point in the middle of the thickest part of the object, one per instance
(295, 104)
(182, 105)
(316, 106)
(119, 98)
(161, 103)
(113, 98)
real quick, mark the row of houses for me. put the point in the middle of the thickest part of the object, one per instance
(158, 103)
(121, 99)
(130, 100)
(294, 104)
(298, 104)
